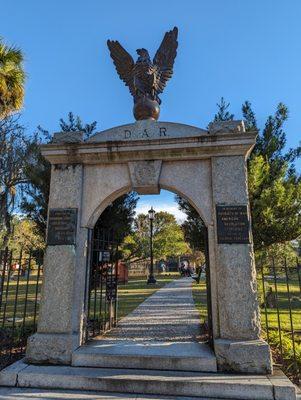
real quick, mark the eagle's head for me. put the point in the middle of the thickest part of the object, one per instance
(143, 55)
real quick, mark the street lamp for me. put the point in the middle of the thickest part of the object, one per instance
(151, 278)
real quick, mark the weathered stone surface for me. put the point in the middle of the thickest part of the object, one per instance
(229, 180)
(284, 389)
(172, 383)
(147, 130)
(8, 376)
(177, 356)
(56, 296)
(46, 394)
(101, 187)
(51, 348)
(206, 169)
(239, 316)
(226, 127)
(145, 176)
(59, 325)
(65, 186)
(236, 275)
(67, 137)
(174, 141)
(253, 357)
(191, 180)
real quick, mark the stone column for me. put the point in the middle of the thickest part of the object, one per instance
(63, 291)
(238, 347)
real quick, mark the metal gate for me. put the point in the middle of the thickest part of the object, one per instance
(103, 282)
(208, 290)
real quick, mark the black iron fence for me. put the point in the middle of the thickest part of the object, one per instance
(103, 282)
(279, 290)
(20, 282)
(279, 284)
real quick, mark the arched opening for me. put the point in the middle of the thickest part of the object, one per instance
(120, 258)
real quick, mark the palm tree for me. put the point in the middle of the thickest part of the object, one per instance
(12, 78)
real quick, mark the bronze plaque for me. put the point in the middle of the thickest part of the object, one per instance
(62, 226)
(233, 224)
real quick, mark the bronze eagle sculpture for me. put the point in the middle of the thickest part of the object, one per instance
(146, 79)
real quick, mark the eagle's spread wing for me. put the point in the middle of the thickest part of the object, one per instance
(123, 62)
(165, 57)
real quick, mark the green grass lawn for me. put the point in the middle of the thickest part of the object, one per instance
(130, 295)
(14, 303)
(271, 319)
(200, 298)
(133, 293)
(199, 294)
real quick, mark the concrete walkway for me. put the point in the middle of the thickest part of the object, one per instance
(161, 333)
(154, 351)
(168, 315)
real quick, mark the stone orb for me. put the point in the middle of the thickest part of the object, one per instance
(146, 109)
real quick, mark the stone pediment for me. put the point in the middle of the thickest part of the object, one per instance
(151, 130)
(147, 130)
(150, 140)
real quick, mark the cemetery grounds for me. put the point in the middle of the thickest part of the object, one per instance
(281, 321)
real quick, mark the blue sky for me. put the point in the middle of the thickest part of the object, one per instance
(236, 49)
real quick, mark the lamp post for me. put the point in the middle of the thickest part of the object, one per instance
(151, 278)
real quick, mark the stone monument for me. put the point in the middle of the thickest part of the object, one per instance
(206, 167)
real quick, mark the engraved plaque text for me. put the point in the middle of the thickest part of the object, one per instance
(233, 224)
(62, 226)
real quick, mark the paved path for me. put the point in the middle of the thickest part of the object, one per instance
(168, 315)
(161, 333)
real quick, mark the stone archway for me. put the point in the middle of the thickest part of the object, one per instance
(206, 167)
(101, 312)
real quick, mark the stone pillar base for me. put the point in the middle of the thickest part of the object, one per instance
(51, 348)
(247, 356)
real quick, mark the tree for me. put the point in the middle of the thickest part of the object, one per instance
(275, 200)
(37, 171)
(168, 238)
(223, 113)
(119, 216)
(12, 135)
(194, 228)
(23, 237)
(13, 153)
(279, 252)
(36, 190)
(74, 124)
(12, 79)
(274, 185)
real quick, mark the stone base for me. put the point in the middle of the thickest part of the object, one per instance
(155, 355)
(160, 383)
(250, 356)
(51, 348)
